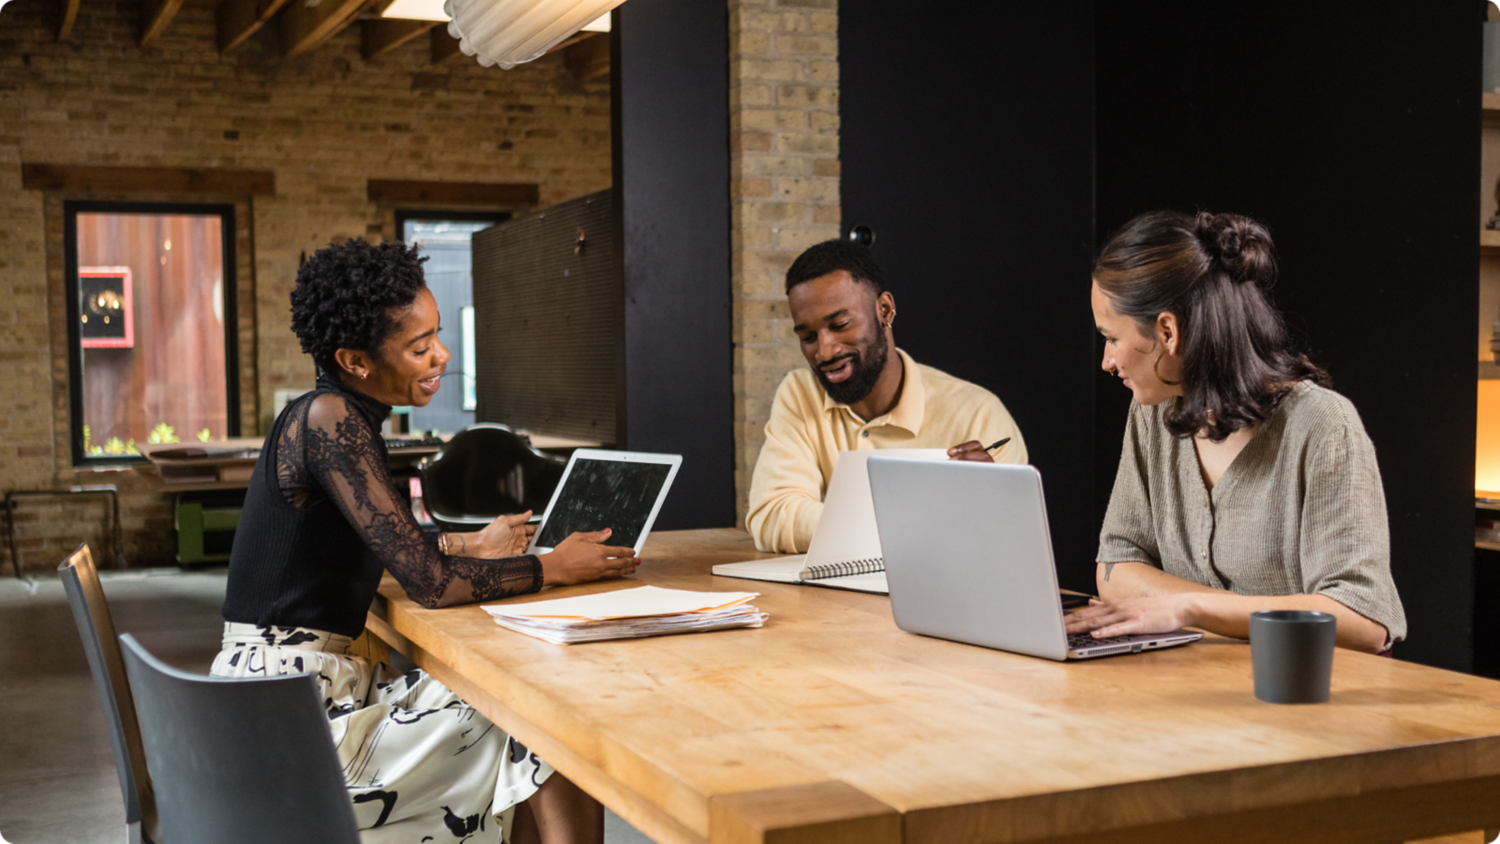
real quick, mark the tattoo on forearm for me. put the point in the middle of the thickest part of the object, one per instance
(1108, 569)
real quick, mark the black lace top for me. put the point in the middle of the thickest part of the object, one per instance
(322, 520)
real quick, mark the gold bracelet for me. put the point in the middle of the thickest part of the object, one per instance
(443, 544)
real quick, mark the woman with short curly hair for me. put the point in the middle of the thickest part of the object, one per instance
(1245, 484)
(322, 522)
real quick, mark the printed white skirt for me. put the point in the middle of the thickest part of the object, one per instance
(421, 765)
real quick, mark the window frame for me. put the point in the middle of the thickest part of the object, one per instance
(230, 261)
(438, 215)
(494, 218)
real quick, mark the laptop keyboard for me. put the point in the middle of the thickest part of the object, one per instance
(1084, 640)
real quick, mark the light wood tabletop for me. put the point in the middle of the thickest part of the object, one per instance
(829, 724)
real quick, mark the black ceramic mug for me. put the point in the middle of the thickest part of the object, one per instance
(1291, 652)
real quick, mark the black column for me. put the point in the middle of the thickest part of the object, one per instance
(967, 146)
(669, 69)
(1352, 130)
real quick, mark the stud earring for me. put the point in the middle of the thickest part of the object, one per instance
(364, 375)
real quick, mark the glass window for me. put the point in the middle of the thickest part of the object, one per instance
(466, 339)
(151, 326)
(444, 239)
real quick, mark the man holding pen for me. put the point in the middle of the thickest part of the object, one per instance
(860, 392)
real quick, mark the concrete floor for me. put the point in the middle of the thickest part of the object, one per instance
(57, 779)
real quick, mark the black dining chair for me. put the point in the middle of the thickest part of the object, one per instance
(487, 470)
(239, 761)
(97, 630)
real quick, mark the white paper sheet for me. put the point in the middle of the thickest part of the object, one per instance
(641, 602)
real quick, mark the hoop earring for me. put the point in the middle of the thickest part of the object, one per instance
(1157, 372)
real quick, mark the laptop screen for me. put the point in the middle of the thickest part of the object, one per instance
(602, 494)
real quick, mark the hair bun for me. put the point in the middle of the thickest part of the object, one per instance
(1240, 245)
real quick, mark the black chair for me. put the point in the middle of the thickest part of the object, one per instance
(97, 629)
(242, 761)
(484, 471)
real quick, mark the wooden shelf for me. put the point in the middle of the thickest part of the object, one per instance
(1489, 242)
(1490, 110)
(1486, 501)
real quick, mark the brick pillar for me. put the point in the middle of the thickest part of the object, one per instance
(784, 167)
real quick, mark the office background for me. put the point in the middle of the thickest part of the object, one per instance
(990, 153)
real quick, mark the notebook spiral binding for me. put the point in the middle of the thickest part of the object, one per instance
(845, 568)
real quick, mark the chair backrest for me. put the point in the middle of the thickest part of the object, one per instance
(488, 470)
(241, 761)
(97, 630)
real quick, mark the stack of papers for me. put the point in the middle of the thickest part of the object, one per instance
(628, 614)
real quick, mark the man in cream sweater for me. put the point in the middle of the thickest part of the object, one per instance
(860, 392)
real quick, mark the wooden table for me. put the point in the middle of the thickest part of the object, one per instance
(831, 725)
(229, 463)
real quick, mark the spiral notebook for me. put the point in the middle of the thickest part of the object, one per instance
(845, 548)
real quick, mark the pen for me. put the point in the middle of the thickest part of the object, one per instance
(997, 445)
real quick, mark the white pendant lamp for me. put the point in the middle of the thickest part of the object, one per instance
(512, 32)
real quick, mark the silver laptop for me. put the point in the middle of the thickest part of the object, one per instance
(968, 557)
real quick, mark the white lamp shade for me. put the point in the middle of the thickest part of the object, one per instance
(512, 32)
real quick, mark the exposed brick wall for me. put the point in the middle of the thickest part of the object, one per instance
(324, 123)
(784, 147)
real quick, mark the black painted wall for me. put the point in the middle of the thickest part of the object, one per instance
(1352, 130)
(670, 76)
(967, 145)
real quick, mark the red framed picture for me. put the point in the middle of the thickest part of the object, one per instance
(105, 316)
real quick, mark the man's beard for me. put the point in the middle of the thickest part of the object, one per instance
(866, 365)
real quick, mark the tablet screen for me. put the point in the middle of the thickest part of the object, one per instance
(601, 494)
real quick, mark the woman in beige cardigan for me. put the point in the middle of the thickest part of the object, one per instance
(1245, 484)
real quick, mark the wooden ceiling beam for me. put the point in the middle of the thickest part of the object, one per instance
(589, 58)
(303, 29)
(382, 36)
(571, 40)
(155, 15)
(240, 19)
(69, 17)
(444, 46)
(83, 178)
